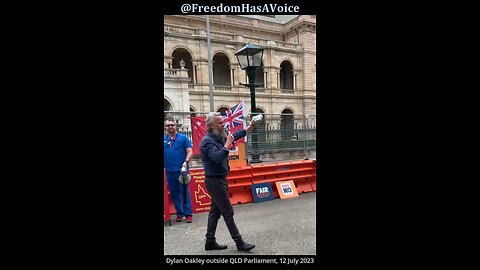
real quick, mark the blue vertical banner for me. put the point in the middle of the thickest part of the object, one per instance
(262, 192)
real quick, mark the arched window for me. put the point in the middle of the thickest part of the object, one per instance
(166, 105)
(286, 75)
(221, 70)
(259, 77)
(182, 54)
(222, 109)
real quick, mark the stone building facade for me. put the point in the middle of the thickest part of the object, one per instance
(289, 62)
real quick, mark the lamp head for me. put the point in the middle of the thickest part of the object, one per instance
(250, 56)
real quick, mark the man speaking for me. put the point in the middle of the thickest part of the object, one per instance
(214, 149)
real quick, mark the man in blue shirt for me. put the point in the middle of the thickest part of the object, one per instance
(177, 153)
(214, 149)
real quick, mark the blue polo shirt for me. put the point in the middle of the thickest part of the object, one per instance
(175, 152)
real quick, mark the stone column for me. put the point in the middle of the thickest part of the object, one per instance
(234, 74)
(278, 79)
(202, 71)
(271, 77)
(299, 80)
(264, 79)
(193, 73)
(167, 61)
(294, 81)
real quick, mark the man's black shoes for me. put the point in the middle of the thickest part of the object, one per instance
(244, 246)
(214, 246)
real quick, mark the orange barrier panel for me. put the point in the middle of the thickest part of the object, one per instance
(239, 182)
(313, 179)
(314, 185)
(302, 171)
(240, 176)
(240, 179)
(298, 171)
(239, 191)
(263, 173)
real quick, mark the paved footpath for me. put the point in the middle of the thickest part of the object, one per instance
(277, 227)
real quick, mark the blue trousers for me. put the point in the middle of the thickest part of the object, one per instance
(176, 193)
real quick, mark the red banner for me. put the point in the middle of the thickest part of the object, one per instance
(166, 207)
(199, 128)
(199, 196)
(198, 131)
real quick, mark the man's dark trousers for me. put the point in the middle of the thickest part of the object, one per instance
(218, 189)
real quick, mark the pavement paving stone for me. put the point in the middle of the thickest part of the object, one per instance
(277, 227)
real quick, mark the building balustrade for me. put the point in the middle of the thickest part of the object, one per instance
(241, 89)
(287, 91)
(175, 73)
(228, 37)
(222, 87)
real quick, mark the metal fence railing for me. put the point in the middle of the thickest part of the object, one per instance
(279, 137)
(310, 130)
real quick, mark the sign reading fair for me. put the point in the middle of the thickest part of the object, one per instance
(262, 192)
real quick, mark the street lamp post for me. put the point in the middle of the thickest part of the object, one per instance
(250, 58)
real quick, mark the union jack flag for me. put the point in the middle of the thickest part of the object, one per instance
(234, 118)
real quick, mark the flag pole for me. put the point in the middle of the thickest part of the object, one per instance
(210, 87)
